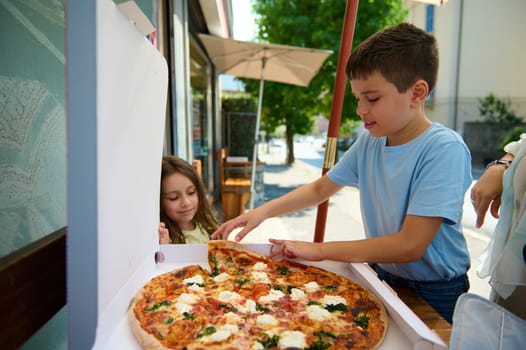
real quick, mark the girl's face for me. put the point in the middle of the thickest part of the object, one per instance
(180, 200)
(385, 111)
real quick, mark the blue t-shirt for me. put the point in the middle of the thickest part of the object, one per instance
(427, 176)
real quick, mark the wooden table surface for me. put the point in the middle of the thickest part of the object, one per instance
(425, 312)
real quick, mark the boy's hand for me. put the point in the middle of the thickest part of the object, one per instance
(164, 235)
(248, 221)
(295, 249)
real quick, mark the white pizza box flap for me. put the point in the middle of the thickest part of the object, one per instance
(405, 329)
(117, 84)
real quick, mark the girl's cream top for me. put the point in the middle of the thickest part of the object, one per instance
(197, 235)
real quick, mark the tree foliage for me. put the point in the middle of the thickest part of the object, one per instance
(238, 102)
(313, 24)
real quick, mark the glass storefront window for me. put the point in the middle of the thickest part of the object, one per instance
(200, 109)
(33, 123)
(33, 135)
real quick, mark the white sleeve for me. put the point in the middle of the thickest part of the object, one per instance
(514, 146)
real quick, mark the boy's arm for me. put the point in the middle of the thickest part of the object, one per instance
(302, 197)
(407, 245)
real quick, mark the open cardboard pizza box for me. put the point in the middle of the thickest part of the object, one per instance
(405, 329)
(113, 195)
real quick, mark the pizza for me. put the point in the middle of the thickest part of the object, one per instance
(249, 301)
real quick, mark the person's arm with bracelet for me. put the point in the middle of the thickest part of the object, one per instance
(487, 191)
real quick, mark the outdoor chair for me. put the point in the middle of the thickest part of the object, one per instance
(234, 185)
(198, 167)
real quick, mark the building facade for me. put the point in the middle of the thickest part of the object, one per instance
(193, 123)
(482, 51)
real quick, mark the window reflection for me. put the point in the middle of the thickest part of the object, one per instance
(199, 81)
(32, 123)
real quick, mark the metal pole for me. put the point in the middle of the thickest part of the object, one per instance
(258, 119)
(336, 108)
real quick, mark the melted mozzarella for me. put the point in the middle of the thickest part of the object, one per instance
(292, 340)
(194, 279)
(333, 300)
(311, 287)
(187, 298)
(250, 306)
(266, 320)
(297, 294)
(260, 266)
(260, 276)
(184, 302)
(221, 333)
(271, 296)
(228, 296)
(195, 288)
(182, 307)
(221, 277)
(316, 312)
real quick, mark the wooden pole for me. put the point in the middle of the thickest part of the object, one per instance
(336, 108)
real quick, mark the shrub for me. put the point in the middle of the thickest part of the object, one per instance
(239, 103)
(498, 112)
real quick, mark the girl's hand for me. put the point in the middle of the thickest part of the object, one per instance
(248, 221)
(164, 235)
(296, 249)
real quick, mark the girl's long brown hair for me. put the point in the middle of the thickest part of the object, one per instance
(205, 215)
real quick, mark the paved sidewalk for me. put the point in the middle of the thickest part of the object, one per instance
(343, 218)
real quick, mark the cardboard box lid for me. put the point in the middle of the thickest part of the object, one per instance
(114, 160)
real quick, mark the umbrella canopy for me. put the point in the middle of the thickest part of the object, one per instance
(283, 64)
(272, 62)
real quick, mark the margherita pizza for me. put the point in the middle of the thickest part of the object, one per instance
(249, 301)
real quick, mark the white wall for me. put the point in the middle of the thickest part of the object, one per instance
(492, 52)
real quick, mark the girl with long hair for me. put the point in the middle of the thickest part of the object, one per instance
(186, 214)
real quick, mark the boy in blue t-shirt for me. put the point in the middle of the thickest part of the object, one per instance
(412, 174)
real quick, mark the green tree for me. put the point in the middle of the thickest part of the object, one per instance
(313, 24)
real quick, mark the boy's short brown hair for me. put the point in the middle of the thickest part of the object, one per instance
(402, 54)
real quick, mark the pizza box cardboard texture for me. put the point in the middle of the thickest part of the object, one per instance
(112, 220)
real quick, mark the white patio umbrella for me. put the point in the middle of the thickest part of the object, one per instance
(278, 63)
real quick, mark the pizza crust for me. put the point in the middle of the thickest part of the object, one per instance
(238, 247)
(383, 316)
(147, 341)
(383, 313)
